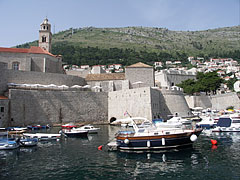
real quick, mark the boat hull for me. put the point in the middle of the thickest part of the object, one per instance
(76, 134)
(155, 142)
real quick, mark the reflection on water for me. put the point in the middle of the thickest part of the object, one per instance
(79, 158)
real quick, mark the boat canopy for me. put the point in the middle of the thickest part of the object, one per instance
(224, 122)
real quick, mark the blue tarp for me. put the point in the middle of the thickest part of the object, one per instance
(224, 122)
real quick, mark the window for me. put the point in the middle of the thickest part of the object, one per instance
(2, 109)
(44, 39)
(15, 65)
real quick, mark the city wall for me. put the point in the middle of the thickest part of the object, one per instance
(57, 107)
(31, 77)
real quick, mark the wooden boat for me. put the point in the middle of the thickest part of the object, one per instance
(43, 136)
(74, 133)
(146, 136)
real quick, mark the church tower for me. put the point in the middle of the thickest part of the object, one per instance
(45, 35)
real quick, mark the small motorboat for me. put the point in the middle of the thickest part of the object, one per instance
(28, 142)
(147, 136)
(227, 123)
(38, 127)
(91, 129)
(7, 144)
(69, 125)
(43, 136)
(206, 123)
(74, 133)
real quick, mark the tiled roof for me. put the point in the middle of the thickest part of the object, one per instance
(32, 50)
(3, 97)
(139, 65)
(105, 77)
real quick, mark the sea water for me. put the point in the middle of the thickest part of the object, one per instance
(79, 158)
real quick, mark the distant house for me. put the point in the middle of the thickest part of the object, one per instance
(158, 64)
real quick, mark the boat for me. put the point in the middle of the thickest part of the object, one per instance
(38, 127)
(8, 144)
(74, 133)
(91, 129)
(207, 122)
(43, 136)
(175, 122)
(147, 136)
(227, 123)
(28, 142)
(69, 125)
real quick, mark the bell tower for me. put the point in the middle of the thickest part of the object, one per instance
(45, 35)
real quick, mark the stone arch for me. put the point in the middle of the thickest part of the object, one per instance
(112, 119)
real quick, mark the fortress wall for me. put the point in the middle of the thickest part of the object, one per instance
(3, 78)
(175, 102)
(30, 77)
(4, 112)
(145, 75)
(55, 107)
(199, 101)
(137, 102)
(107, 86)
(222, 101)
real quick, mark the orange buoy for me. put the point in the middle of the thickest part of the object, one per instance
(214, 147)
(214, 142)
(100, 148)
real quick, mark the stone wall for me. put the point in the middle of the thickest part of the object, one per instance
(31, 77)
(175, 102)
(4, 112)
(32, 62)
(222, 101)
(171, 78)
(57, 107)
(145, 75)
(199, 101)
(137, 102)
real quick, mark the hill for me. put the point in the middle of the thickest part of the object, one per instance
(92, 45)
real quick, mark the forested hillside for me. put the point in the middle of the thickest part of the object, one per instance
(132, 44)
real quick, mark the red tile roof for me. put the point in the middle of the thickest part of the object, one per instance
(32, 50)
(3, 97)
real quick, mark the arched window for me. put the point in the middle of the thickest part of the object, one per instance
(44, 39)
(15, 65)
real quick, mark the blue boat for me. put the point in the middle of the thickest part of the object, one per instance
(7, 144)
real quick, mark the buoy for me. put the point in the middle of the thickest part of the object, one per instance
(214, 142)
(100, 147)
(148, 144)
(163, 141)
(214, 147)
(126, 141)
(193, 137)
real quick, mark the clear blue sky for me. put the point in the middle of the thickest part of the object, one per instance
(21, 19)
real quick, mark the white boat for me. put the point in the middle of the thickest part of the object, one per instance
(227, 123)
(28, 142)
(74, 133)
(123, 122)
(207, 122)
(146, 136)
(89, 128)
(42, 136)
(175, 122)
(6, 144)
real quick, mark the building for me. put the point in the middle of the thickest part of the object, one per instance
(35, 58)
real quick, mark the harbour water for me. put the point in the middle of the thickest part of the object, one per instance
(78, 158)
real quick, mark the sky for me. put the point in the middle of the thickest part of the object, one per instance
(20, 19)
